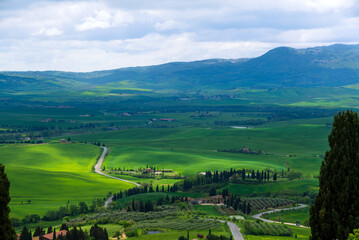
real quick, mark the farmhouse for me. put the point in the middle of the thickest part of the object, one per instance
(50, 235)
(47, 120)
(148, 170)
(216, 199)
(47, 236)
(167, 119)
(246, 150)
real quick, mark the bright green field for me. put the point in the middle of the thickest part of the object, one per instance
(294, 186)
(174, 235)
(302, 233)
(153, 181)
(192, 150)
(291, 216)
(51, 174)
(210, 210)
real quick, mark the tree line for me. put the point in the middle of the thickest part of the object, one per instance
(96, 232)
(53, 215)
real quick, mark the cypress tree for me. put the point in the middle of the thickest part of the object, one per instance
(248, 210)
(25, 234)
(7, 231)
(335, 211)
(64, 227)
(105, 234)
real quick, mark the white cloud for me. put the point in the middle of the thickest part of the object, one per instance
(50, 32)
(100, 20)
(169, 25)
(104, 19)
(95, 35)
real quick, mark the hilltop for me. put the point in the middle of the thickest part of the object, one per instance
(330, 66)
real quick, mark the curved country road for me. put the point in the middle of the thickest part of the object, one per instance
(259, 215)
(235, 231)
(98, 169)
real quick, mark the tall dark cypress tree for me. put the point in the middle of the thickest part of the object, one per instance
(25, 234)
(335, 212)
(7, 231)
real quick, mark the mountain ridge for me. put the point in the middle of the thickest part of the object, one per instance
(330, 66)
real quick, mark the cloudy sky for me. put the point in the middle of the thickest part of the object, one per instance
(97, 35)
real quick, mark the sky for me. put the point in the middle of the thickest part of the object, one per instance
(84, 36)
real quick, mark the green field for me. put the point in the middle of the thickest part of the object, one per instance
(208, 209)
(192, 150)
(302, 233)
(290, 216)
(51, 174)
(295, 186)
(189, 150)
(174, 235)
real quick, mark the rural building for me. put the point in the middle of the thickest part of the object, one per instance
(167, 119)
(148, 170)
(246, 150)
(199, 201)
(47, 236)
(47, 120)
(50, 235)
(215, 199)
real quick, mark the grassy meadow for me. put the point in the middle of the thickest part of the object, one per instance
(193, 150)
(49, 175)
(296, 144)
(52, 174)
(301, 233)
(291, 216)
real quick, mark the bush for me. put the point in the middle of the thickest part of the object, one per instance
(263, 228)
(16, 222)
(132, 233)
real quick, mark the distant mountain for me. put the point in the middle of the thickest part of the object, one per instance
(331, 66)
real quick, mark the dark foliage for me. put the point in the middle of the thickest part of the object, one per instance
(335, 212)
(6, 229)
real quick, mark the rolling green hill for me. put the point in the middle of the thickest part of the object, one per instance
(332, 66)
(51, 174)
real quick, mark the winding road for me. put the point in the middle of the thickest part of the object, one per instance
(232, 226)
(99, 171)
(259, 215)
(235, 231)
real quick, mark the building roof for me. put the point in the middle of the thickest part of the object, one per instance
(50, 235)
